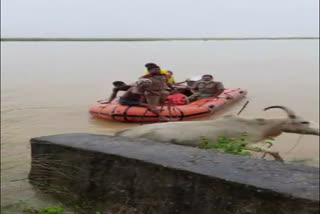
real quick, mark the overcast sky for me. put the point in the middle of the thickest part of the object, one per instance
(159, 18)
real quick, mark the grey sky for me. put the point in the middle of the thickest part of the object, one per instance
(161, 18)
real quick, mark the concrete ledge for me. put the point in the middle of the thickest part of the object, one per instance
(141, 176)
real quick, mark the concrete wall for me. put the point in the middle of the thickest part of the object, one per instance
(111, 174)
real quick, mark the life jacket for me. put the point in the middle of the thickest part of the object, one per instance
(177, 99)
(162, 71)
(171, 80)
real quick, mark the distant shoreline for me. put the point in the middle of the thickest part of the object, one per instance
(149, 39)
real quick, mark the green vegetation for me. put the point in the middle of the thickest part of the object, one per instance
(48, 210)
(25, 207)
(147, 39)
(224, 144)
(236, 146)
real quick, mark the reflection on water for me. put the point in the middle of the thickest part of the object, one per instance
(47, 87)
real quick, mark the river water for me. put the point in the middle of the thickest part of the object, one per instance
(47, 87)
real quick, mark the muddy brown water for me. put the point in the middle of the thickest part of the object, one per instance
(47, 87)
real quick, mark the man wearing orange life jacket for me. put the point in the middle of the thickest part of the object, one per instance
(168, 73)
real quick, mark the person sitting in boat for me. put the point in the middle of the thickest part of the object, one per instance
(170, 78)
(118, 86)
(186, 89)
(134, 96)
(191, 81)
(159, 89)
(169, 74)
(205, 88)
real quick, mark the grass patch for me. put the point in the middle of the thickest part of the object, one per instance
(48, 210)
(235, 146)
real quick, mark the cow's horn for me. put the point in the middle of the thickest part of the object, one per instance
(290, 113)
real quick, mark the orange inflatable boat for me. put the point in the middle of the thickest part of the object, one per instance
(200, 108)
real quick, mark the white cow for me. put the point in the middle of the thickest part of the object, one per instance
(190, 133)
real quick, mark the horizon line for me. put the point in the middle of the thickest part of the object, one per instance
(12, 39)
